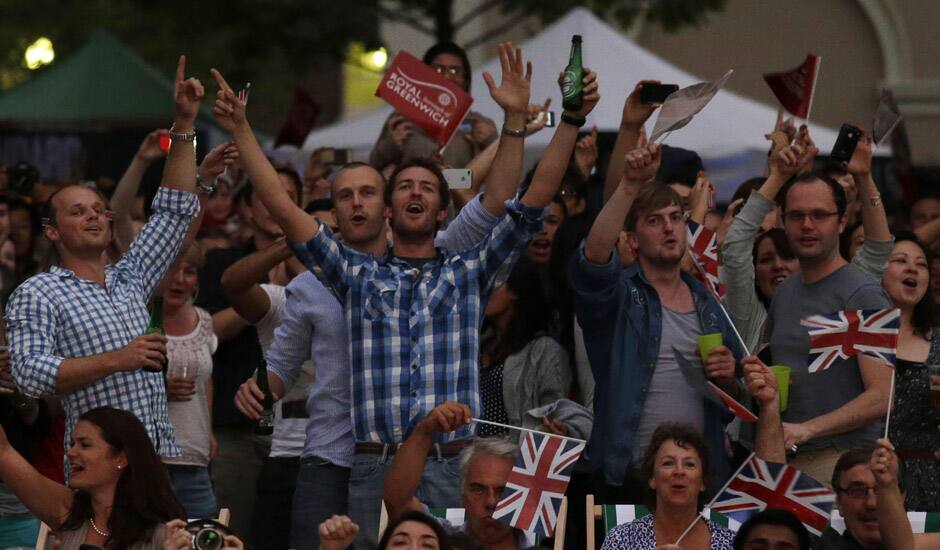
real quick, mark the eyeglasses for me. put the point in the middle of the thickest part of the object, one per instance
(856, 492)
(816, 216)
(452, 70)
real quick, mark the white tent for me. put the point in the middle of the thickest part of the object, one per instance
(728, 133)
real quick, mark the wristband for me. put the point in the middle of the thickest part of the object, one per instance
(573, 120)
(520, 133)
(875, 201)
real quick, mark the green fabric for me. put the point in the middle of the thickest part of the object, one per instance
(932, 522)
(102, 81)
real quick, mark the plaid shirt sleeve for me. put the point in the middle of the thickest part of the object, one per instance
(31, 330)
(159, 242)
(504, 245)
(334, 264)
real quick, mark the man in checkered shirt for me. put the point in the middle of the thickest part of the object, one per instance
(77, 330)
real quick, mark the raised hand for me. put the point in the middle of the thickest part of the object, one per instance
(790, 160)
(445, 418)
(512, 94)
(641, 164)
(702, 195)
(585, 152)
(591, 93)
(537, 117)
(400, 128)
(860, 163)
(229, 111)
(636, 113)
(187, 93)
(337, 533)
(727, 220)
(149, 149)
(216, 160)
(884, 464)
(760, 381)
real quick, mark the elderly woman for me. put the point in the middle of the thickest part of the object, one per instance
(677, 468)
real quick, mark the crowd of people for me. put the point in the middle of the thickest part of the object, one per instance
(385, 314)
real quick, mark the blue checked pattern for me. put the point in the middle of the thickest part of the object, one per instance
(414, 333)
(56, 316)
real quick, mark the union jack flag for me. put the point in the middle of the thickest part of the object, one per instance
(843, 334)
(704, 245)
(760, 485)
(538, 482)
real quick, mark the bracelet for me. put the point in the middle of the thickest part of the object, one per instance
(182, 136)
(203, 187)
(520, 133)
(875, 201)
(573, 120)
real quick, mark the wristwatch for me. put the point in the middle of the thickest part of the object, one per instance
(182, 136)
(204, 187)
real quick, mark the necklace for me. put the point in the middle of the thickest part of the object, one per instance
(99, 531)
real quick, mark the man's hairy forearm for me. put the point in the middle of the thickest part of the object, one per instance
(870, 405)
(82, 371)
(404, 475)
(627, 139)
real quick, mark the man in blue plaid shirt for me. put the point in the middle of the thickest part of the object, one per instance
(77, 330)
(414, 314)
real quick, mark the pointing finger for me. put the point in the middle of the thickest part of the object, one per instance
(181, 69)
(220, 80)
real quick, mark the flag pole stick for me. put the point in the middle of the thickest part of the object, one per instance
(894, 373)
(812, 92)
(714, 498)
(721, 305)
(525, 429)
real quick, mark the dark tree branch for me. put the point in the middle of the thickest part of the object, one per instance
(496, 31)
(406, 18)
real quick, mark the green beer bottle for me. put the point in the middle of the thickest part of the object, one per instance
(572, 84)
(265, 424)
(156, 327)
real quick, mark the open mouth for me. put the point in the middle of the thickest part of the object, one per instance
(909, 282)
(414, 208)
(357, 218)
(93, 229)
(779, 279)
(76, 468)
(542, 245)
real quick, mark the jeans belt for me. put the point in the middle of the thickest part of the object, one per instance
(449, 449)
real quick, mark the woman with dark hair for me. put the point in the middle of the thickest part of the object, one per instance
(119, 495)
(522, 367)
(772, 529)
(914, 418)
(677, 468)
(401, 141)
(411, 530)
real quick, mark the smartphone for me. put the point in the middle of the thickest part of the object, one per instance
(550, 123)
(845, 144)
(334, 156)
(458, 178)
(656, 93)
(164, 141)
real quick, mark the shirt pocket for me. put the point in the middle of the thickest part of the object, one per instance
(443, 298)
(380, 298)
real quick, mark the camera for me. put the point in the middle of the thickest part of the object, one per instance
(208, 534)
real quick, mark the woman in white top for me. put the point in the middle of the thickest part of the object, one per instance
(190, 345)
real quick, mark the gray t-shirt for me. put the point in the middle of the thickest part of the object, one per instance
(669, 397)
(815, 394)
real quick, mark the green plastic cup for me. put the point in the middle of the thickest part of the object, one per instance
(708, 342)
(782, 374)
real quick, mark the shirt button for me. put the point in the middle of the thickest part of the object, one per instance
(414, 393)
(414, 367)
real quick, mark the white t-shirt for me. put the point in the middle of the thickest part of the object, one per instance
(289, 433)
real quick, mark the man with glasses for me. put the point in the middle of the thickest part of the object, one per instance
(841, 407)
(872, 503)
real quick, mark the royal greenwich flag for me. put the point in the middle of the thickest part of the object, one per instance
(538, 482)
(433, 103)
(844, 334)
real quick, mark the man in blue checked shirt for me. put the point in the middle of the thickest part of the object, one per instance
(414, 313)
(77, 330)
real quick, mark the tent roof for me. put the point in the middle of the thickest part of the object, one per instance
(103, 82)
(728, 126)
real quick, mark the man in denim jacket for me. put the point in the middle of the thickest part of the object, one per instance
(634, 319)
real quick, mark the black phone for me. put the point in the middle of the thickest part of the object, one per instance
(845, 143)
(656, 93)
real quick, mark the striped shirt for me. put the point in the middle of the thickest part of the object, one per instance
(414, 332)
(57, 315)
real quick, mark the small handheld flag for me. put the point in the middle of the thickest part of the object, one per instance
(704, 245)
(538, 482)
(844, 334)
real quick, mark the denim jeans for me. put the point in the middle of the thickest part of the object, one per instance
(194, 489)
(321, 491)
(440, 488)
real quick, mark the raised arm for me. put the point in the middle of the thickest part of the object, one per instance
(873, 211)
(640, 166)
(122, 201)
(230, 113)
(635, 115)
(180, 169)
(551, 168)
(762, 385)
(47, 500)
(240, 281)
(896, 533)
(512, 95)
(404, 474)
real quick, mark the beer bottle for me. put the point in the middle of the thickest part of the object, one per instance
(156, 327)
(572, 84)
(266, 422)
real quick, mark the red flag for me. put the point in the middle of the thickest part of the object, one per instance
(794, 88)
(434, 103)
(733, 405)
(704, 245)
(300, 119)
